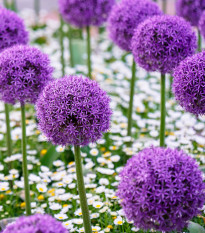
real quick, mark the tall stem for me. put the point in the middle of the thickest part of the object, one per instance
(25, 168)
(89, 52)
(164, 6)
(6, 4)
(81, 190)
(163, 110)
(62, 46)
(8, 131)
(132, 91)
(70, 46)
(199, 41)
(37, 10)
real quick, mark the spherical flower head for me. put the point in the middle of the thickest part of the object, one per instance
(191, 10)
(82, 13)
(202, 24)
(161, 42)
(126, 16)
(189, 82)
(36, 223)
(73, 111)
(161, 189)
(24, 71)
(12, 29)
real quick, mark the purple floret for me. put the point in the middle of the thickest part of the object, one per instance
(24, 71)
(191, 10)
(126, 16)
(37, 223)
(82, 13)
(161, 189)
(12, 29)
(160, 43)
(73, 111)
(189, 84)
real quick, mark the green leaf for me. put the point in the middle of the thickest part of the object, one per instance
(50, 157)
(195, 228)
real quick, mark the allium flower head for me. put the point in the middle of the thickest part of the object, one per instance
(189, 84)
(36, 223)
(126, 16)
(191, 10)
(12, 29)
(24, 71)
(161, 42)
(82, 13)
(161, 189)
(73, 111)
(202, 24)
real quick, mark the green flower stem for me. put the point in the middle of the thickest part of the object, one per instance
(163, 110)
(81, 190)
(6, 4)
(132, 92)
(8, 131)
(14, 6)
(199, 41)
(62, 45)
(170, 86)
(70, 46)
(164, 6)
(37, 10)
(25, 169)
(89, 52)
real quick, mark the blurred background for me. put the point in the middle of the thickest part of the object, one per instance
(52, 5)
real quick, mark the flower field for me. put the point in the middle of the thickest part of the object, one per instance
(136, 178)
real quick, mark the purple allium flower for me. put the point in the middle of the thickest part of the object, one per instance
(12, 29)
(161, 42)
(36, 223)
(202, 24)
(126, 16)
(83, 13)
(191, 10)
(24, 71)
(189, 84)
(73, 111)
(161, 189)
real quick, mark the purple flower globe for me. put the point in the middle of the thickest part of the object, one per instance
(191, 10)
(73, 111)
(161, 42)
(36, 223)
(161, 189)
(189, 84)
(126, 16)
(24, 71)
(12, 29)
(82, 13)
(202, 24)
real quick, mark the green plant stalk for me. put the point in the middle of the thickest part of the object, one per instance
(62, 45)
(70, 46)
(89, 52)
(132, 92)
(14, 6)
(8, 131)
(199, 41)
(6, 4)
(164, 6)
(25, 168)
(37, 10)
(81, 190)
(163, 110)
